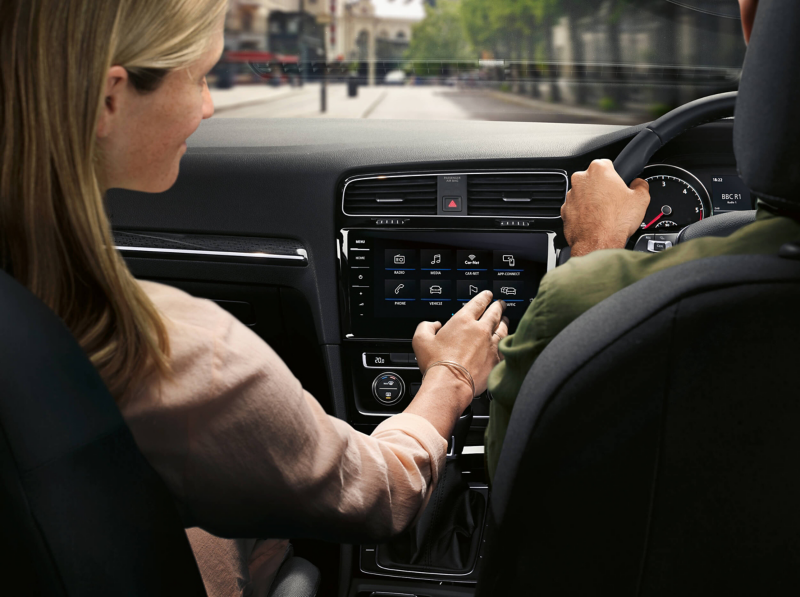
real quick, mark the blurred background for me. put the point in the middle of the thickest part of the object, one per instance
(587, 61)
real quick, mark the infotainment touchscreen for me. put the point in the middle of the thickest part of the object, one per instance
(399, 279)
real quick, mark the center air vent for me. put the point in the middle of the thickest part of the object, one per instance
(532, 194)
(391, 196)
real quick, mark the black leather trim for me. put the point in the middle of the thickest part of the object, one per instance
(588, 335)
(721, 225)
(767, 125)
(296, 578)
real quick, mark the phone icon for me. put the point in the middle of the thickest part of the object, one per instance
(399, 288)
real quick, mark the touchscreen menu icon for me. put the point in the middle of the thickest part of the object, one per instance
(469, 289)
(472, 260)
(436, 290)
(435, 259)
(511, 291)
(400, 290)
(401, 259)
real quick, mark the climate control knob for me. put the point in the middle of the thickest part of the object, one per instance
(388, 388)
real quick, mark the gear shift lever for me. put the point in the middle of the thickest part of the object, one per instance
(459, 436)
(446, 537)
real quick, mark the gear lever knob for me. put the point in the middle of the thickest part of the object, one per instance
(459, 436)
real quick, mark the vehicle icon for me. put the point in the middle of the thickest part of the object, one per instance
(436, 289)
(508, 290)
(399, 259)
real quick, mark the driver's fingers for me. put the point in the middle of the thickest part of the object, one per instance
(494, 314)
(640, 186)
(502, 329)
(477, 305)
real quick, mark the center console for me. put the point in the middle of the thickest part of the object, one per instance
(394, 279)
(395, 272)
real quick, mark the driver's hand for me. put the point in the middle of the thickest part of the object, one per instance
(470, 339)
(600, 211)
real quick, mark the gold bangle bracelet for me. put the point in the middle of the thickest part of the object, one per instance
(457, 366)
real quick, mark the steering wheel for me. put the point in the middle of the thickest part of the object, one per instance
(632, 160)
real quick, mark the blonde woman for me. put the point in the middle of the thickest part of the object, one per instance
(99, 94)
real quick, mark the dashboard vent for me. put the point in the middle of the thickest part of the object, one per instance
(532, 194)
(391, 196)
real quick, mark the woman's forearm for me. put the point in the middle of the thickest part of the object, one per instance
(441, 399)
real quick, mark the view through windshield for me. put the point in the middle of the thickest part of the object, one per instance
(589, 61)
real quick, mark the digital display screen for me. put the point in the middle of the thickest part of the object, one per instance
(404, 278)
(729, 193)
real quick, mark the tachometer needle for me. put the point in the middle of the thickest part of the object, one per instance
(656, 219)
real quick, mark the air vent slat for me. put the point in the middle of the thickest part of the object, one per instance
(392, 196)
(527, 194)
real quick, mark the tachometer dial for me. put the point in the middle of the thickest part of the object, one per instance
(677, 198)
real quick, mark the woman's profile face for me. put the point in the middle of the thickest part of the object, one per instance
(142, 136)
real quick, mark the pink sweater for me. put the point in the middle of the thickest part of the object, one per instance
(246, 451)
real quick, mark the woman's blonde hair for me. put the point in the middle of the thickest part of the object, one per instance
(54, 233)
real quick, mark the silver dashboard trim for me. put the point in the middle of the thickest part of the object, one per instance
(353, 179)
(301, 256)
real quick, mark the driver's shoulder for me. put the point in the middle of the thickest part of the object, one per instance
(584, 281)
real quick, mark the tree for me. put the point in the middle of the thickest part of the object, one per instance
(440, 35)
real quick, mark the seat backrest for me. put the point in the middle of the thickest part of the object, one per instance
(654, 448)
(82, 511)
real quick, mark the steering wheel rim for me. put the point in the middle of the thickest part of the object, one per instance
(632, 160)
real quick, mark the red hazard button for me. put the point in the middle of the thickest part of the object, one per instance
(451, 203)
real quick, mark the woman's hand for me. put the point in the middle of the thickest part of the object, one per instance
(600, 211)
(470, 339)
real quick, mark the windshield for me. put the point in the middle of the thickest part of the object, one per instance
(583, 61)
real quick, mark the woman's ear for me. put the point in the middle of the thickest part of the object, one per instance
(113, 100)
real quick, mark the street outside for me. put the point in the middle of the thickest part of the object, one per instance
(399, 102)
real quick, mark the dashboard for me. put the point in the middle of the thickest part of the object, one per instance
(332, 239)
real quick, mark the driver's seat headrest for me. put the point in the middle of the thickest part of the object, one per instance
(767, 128)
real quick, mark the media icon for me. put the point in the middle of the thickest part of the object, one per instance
(509, 259)
(435, 259)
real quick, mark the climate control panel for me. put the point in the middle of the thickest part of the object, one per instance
(388, 388)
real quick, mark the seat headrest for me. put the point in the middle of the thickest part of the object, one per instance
(767, 128)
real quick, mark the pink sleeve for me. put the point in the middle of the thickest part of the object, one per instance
(250, 453)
